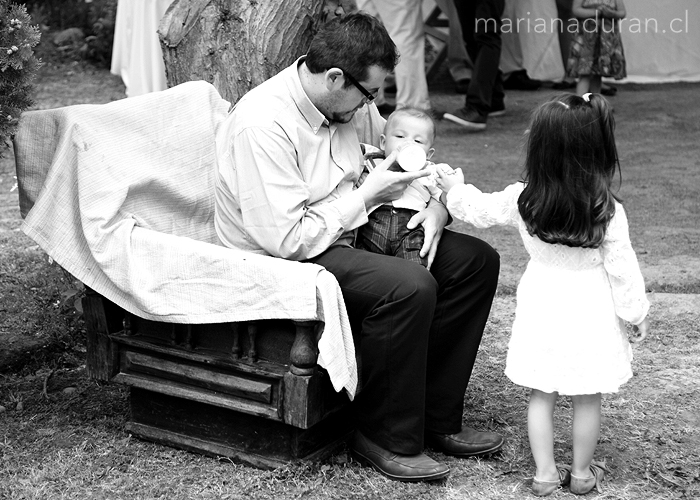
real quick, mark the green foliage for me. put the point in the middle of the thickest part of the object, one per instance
(98, 44)
(94, 18)
(18, 66)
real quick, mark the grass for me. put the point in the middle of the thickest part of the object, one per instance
(62, 435)
(71, 443)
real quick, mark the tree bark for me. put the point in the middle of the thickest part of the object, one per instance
(235, 44)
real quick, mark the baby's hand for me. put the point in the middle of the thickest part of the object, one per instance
(642, 330)
(448, 178)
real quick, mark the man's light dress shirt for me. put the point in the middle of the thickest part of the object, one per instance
(286, 176)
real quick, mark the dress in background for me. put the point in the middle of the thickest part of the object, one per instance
(596, 48)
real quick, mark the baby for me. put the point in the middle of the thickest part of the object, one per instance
(386, 232)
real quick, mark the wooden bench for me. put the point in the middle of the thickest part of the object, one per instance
(248, 390)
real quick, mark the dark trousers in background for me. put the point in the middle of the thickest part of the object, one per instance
(481, 29)
(417, 333)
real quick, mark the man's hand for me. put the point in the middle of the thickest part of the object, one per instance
(383, 185)
(433, 219)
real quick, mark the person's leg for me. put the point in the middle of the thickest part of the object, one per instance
(390, 303)
(481, 25)
(487, 54)
(466, 270)
(586, 429)
(567, 20)
(403, 20)
(596, 84)
(540, 429)
(583, 85)
(458, 61)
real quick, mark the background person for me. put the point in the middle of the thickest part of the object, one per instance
(481, 26)
(403, 20)
(596, 50)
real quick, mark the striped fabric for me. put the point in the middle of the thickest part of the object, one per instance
(121, 195)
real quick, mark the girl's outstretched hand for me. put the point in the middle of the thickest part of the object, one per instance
(448, 180)
(642, 330)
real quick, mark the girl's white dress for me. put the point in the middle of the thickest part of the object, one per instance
(567, 335)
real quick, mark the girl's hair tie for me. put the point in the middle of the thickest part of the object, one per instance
(587, 96)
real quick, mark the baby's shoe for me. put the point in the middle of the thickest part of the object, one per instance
(545, 488)
(582, 485)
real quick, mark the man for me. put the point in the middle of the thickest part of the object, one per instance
(289, 157)
(481, 27)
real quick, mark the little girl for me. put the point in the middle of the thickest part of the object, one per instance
(596, 48)
(582, 279)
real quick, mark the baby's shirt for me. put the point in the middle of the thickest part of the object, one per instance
(417, 194)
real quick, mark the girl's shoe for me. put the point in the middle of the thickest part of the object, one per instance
(582, 485)
(544, 488)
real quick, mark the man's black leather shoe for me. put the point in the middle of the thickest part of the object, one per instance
(468, 443)
(418, 467)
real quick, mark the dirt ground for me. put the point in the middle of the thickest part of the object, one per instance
(651, 433)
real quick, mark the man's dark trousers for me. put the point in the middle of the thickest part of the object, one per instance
(481, 29)
(417, 333)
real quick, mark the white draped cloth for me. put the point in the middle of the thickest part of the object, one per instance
(136, 53)
(121, 195)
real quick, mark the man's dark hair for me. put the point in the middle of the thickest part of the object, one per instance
(353, 43)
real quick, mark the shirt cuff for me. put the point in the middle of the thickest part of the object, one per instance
(352, 210)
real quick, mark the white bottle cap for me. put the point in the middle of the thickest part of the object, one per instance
(411, 157)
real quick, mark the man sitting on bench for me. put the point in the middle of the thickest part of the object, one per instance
(288, 158)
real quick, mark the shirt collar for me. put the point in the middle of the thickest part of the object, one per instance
(310, 112)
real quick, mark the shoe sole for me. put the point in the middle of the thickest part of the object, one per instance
(411, 479)
(477, 127)
(481, 453)
(496, 114)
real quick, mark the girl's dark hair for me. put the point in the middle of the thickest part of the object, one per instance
(570, 165)
(353, 43)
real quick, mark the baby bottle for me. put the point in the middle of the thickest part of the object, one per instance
(411, 156)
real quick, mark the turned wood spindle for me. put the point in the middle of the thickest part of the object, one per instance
(304, 353)
(236, 347)
(189, 342)
(252, 333)
(127, 323)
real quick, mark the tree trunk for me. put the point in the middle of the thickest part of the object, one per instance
(235, 44)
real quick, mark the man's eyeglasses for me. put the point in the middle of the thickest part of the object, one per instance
(368, 95)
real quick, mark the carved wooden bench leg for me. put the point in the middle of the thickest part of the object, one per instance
(304, 353)
(102, 361)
